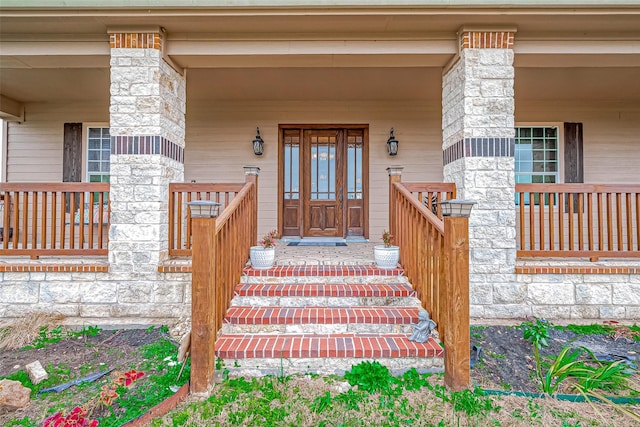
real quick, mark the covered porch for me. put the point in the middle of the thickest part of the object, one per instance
(159, 108)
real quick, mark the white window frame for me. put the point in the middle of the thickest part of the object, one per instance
(560, 134)
(85, 148)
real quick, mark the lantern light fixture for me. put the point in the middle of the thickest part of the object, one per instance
(203, 208)
(258, 143)
(392, 144)
(457, 207)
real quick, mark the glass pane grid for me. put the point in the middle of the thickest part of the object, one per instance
(98, 154)
(536, 156)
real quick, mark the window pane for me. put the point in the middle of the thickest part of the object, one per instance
(536, 155)
(98, 154)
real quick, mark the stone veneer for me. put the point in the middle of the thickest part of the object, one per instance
(148, 105)
(478, 149)
(86, 292)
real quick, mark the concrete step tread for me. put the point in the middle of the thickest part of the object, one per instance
(325, 290)
(271, 315)
(323, 270)
(248, 346)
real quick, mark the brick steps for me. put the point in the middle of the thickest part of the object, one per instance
(325, 290)
(324, 294)
(250, 346)
(323, 319)
(323, 271)
(245, 319)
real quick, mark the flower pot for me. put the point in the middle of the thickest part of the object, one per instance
(386, 257)
(262, 258)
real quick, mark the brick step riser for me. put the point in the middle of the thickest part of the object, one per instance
(326, 366)
(315, 328)
(324, 279)
(324, 301)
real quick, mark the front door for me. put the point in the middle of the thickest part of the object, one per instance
(322, 181)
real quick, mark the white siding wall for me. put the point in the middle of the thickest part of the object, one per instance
(611, 136)
(219, 143)
(34, 150)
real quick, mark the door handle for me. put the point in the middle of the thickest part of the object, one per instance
(340, 195)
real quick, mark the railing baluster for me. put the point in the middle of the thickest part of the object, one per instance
(532, 228)
(637, 247)
(619, 222)
(571, 230)
(600, 227)
(580, 222)
(561, 203)
(541, 219)
(590, 221)
(551, 203)
(522, 231)
(629, 217)
(609, 224)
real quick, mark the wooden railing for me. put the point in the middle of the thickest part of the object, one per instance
(578, 220)
(432, 193)
(179, 222)
(220, 252)
(435, 257)
(54, 218)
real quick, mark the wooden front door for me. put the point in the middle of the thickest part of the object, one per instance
(323, 181)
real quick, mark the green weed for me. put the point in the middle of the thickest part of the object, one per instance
(24, 422)
(370, 377)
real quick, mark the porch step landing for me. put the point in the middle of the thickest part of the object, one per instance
(323, 320)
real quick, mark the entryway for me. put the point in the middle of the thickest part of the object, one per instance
(323, 180)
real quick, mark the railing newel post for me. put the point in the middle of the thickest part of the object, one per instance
(395, 175)
(251, 174)
(203, 305)
(455, 299)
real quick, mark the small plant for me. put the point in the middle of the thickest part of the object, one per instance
(387, 238)
(269, 240)
(537, 333)
(370, 377)
(77, 417)
(628, 333)
(80, 416)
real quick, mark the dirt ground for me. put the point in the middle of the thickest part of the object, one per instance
(507, 363)
(115, 349)
(506, 360)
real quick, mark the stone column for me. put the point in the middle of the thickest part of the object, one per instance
(478, 145)
(148, 103)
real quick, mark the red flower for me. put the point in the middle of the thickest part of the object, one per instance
(128, 378)
(75, 418)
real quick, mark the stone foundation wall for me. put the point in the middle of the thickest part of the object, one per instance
(571, 292)
(97, 298)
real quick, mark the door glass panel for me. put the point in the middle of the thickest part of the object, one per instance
(354, 167)
(291, 166)
(323, 167)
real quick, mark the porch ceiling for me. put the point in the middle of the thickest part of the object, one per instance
(62, 55)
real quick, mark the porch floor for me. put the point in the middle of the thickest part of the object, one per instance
(360, 253)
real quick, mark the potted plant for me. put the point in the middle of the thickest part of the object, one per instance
(386, 255)
(263, 256)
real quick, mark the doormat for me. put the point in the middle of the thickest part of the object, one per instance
(317, 244)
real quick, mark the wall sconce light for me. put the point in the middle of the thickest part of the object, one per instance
(457, 207)
(258, 143)
(203, 208)
(392, 144)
